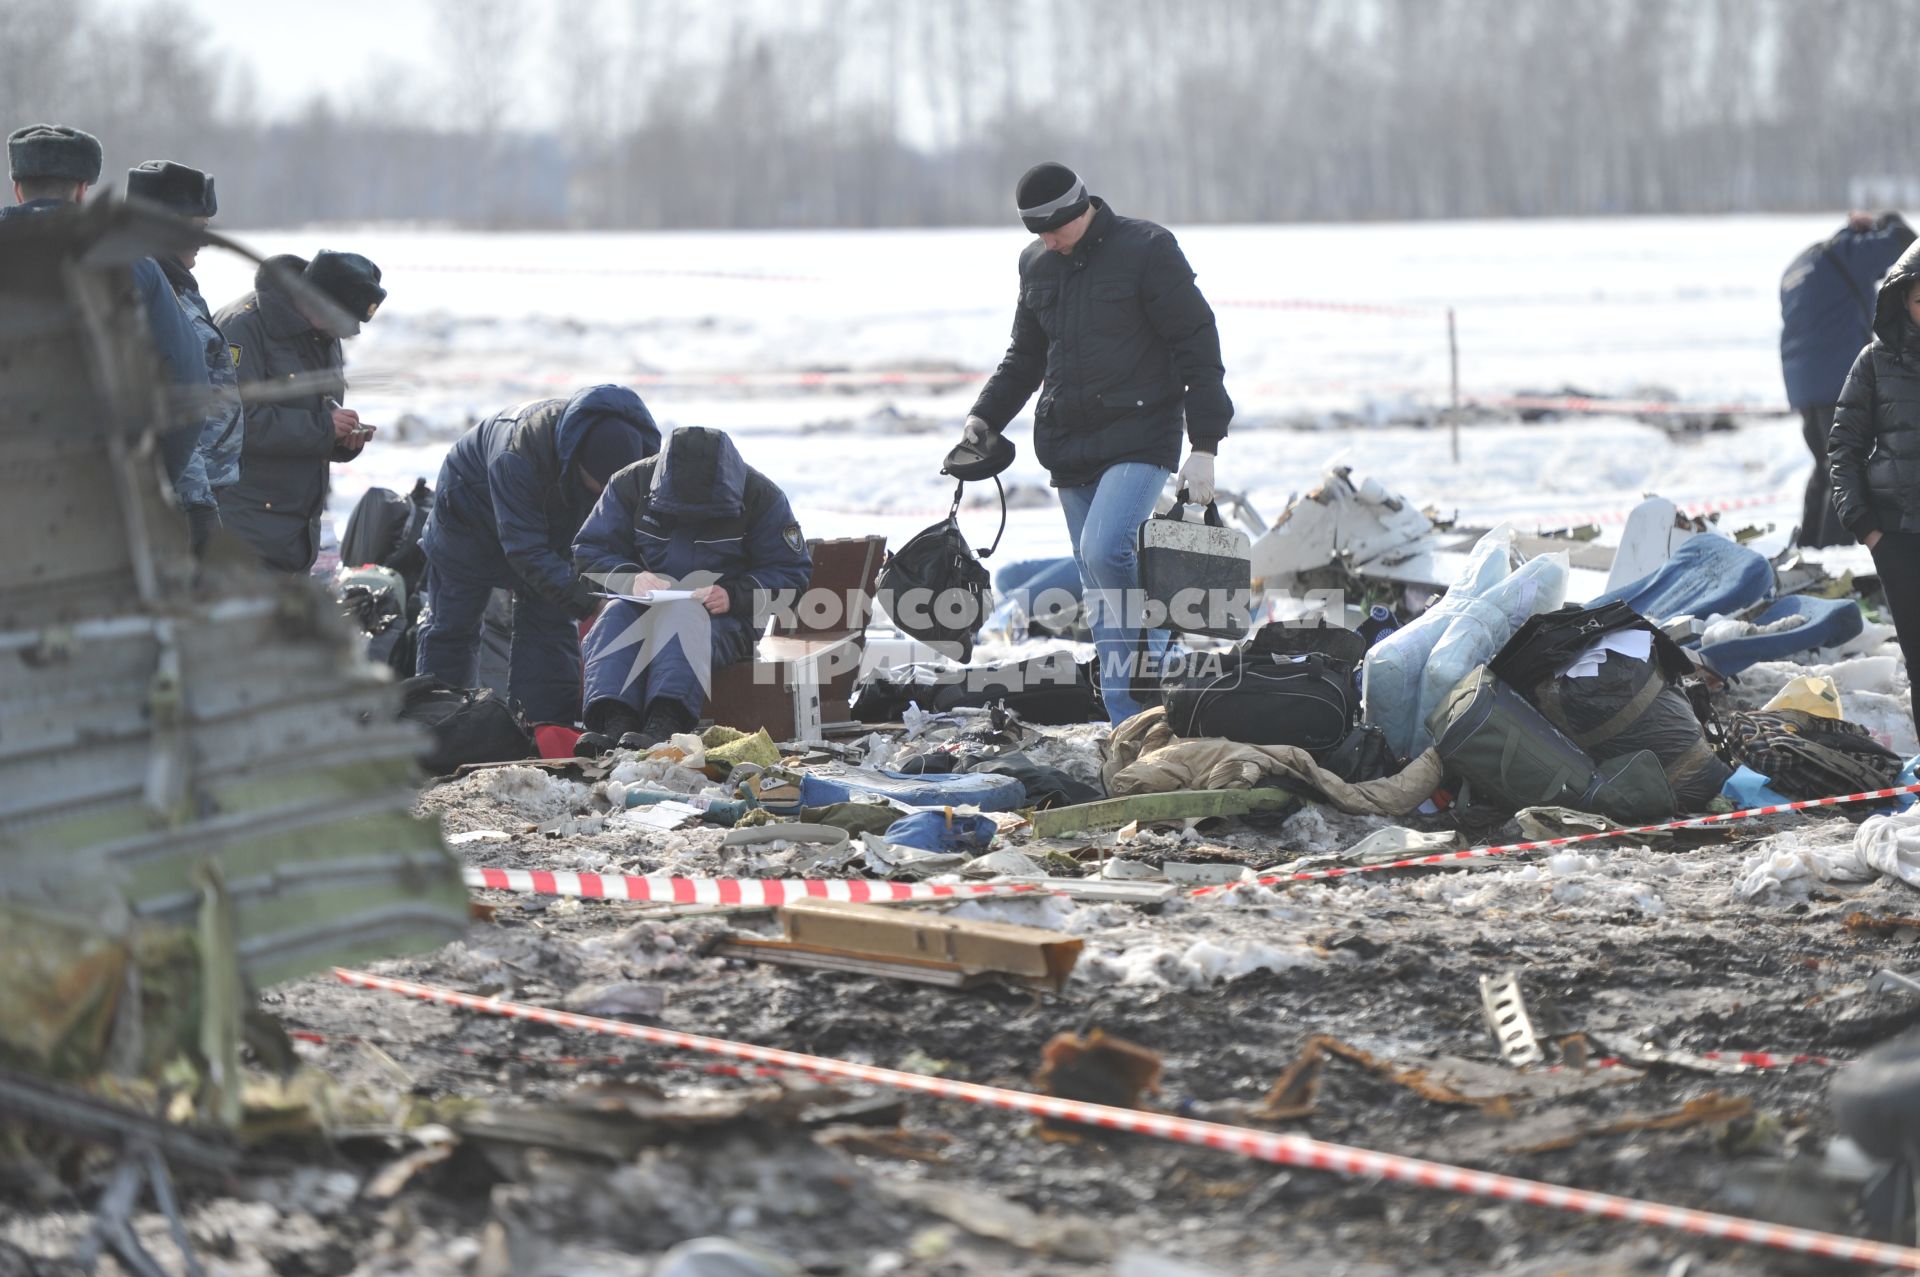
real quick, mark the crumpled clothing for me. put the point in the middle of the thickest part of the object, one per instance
(1883, 846)
(1145, 757)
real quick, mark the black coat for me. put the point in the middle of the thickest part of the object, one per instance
(1126, 346)
(288, 371)
(1873, 453)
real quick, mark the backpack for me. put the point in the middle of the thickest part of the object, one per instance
(1490, 737)
(467, 726)
(935, 589)
(1805, 756)
(385, 528)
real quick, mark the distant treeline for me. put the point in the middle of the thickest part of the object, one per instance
(695, 113)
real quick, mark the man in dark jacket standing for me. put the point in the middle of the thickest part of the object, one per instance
(1873, 454)
(512, 494)
(1826, 316)
(694, 517)
(285, 344)
(52, 166)
(216, 457)
(1112, 330)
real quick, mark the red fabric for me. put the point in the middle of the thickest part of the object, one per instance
(555, 740)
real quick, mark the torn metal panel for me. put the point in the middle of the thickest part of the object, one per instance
(197, 772)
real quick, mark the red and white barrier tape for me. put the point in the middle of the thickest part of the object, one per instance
(752, 893)
(1693, 509)
(1628, 407)
(1752, 1059)
(548, 1061)
(1268, 1146)
(1480, 853)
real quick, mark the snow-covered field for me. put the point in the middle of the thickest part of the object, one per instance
(477, 322)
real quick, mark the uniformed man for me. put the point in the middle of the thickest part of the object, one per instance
(216, 464)
(512, 494)
(285, 344)
(52, 166)
(695, 516)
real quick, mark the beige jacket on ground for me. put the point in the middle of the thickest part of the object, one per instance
(1145, 757)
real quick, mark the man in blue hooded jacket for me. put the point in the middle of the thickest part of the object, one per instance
(697, 517)
(513, 492)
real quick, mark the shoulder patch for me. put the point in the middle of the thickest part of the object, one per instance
(795, 542)
(235, 352)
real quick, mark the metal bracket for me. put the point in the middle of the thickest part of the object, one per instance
(1508, 1021)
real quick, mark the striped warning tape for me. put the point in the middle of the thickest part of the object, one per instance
(1752, 1059)
(1694, 509)
(546, 1061)
(753, 893)
(1481, 853)
(1630, 407)
(1268, 1146)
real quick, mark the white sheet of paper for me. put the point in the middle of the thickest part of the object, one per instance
(654, 596)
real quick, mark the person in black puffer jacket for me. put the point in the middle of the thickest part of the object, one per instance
(1112, 330)
(1873, 454)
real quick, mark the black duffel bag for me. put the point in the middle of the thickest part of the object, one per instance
(1048, 690)
(1263, 698)
(468, 726)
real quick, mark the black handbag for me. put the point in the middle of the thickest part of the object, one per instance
(935, 589)
(1200, 573)
(1262, 699)
(468, 725)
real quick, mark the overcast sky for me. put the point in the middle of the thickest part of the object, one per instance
(299, 49)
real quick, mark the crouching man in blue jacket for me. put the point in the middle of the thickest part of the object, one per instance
(696, 517)
(513, 492)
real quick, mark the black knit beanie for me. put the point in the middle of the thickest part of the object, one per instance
(1049, 196)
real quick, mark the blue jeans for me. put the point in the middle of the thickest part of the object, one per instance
(1103, 520)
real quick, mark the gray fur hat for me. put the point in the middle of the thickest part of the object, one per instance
(53, 150)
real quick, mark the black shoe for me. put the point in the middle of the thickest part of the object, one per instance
(638, 740)
(612, 719)
(592, 745)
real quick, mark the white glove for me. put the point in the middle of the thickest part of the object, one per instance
(1197, 477)
(976, 432)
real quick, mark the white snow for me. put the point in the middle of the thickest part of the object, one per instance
(477, 322)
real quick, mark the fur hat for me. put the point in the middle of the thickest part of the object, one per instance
(183, 190)
(54, 151)
(349, 279)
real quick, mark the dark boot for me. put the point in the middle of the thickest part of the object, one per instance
(664, 719)
(607, 722)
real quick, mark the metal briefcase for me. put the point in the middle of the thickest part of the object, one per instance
(1200, 572)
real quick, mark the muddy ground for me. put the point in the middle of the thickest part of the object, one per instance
(1677, 941)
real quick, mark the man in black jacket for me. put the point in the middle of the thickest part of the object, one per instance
(1112, 330)
(1873, 454)
(285, 342)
